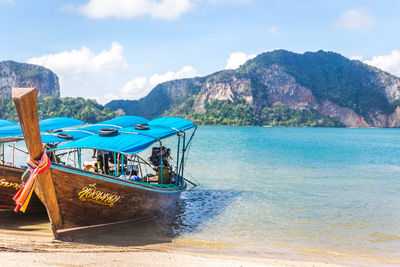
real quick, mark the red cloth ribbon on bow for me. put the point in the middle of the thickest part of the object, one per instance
(24, 194)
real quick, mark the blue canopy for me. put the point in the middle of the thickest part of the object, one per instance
(6, 123)
(153, 131)
(45, 125)
(81, 132)
(173, 123)
(125, 142)
(130, 140)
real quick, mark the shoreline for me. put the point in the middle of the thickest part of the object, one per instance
(19, 248)
(26, 240)
(39, 248)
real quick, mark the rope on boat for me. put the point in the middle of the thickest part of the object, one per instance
(23, 196)
(190, 182)
(187, 150)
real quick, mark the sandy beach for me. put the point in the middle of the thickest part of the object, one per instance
(27, 241)
(42, 250)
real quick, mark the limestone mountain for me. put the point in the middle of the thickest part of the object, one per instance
(50, 104)
(280, 88)
(14, 74)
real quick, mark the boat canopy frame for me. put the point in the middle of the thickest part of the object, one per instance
(154, 132)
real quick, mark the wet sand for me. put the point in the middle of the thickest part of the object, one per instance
(27, 241)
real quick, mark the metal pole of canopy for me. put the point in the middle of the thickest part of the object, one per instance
(177, 159)
(184, 148)
(2, 153)
(118, 157)
(66, 161)
(13, 154)
(191, 137)
(140, 166)
(161, 161)
(115, 164)
(80, 158)
(75, 158)
(183, 156)
(122, 165)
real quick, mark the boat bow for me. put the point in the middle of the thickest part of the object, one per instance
(26, 105)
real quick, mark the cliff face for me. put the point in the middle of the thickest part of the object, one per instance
(349, 92)
(385, 83)
(283, 88)
(13, 74)
(223, 88)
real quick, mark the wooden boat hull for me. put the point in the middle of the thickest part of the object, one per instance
(10, 183)
(86, 198)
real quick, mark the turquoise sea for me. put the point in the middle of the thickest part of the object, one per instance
(297, 193)
(294, 192)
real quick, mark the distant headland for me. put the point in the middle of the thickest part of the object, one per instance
(278, 88)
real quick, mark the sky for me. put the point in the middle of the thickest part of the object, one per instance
(121, 49)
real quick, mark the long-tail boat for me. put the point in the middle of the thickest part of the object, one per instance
(10, 176)
(53, 131)
(77, 199)
(10, 172)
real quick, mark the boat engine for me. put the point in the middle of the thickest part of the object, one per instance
(155, 157)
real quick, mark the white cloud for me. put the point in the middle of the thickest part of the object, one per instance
(136, 88)
(356, 57)
(126, 9)
(185, 72)
(389, 63)
(355, 19)
(141, 86)
(83, 72)
(273, 30)
(236, 59)
(107, 98)
(83, 61)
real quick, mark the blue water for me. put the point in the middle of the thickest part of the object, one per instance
(322, 191)
(306, 192)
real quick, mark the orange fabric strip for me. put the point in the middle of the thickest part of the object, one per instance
(24, 194)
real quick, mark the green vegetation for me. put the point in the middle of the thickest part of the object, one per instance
(281, 115)
(87, 110)
(330, 76)
(7, 110)
(223, 112)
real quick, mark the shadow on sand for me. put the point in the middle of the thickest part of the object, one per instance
(37, 221)
(194, 209)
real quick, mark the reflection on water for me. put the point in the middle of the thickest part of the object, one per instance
(195, 210)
